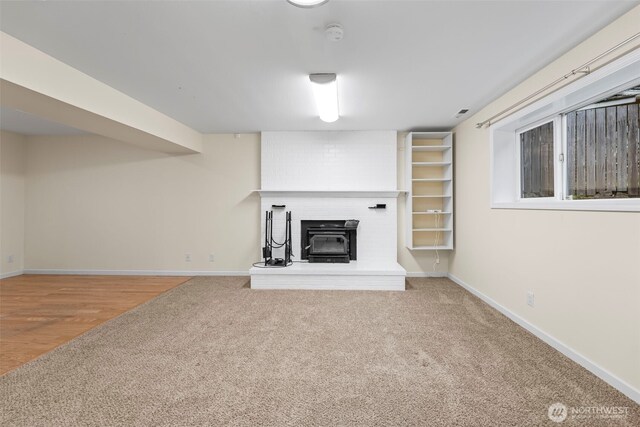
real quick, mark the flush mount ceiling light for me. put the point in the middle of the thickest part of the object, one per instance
(307, 3)
(325, 90)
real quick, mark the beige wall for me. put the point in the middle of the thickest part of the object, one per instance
(98, 204)
(582, 266)
(12, 204)
(416, 262)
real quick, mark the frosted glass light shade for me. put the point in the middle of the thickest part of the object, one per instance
(307, 3)
(325, 91)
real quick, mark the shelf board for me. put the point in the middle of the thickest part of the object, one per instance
(430, 179)
(431, 213)
(431, 163)
(431, 248)
(422, 135)
(432, 197)
(430, 147)
(432, 229)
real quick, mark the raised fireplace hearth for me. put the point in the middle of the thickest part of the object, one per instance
(328, 241)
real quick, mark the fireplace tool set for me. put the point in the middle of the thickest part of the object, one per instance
(270, 244)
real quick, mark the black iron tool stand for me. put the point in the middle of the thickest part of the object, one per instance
(270, 244)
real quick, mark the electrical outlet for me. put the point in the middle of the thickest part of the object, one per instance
(437, 260)
(211, 258)
(530, 299)
(187, 257)
(10, 259)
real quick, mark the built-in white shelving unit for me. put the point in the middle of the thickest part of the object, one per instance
(429, 185)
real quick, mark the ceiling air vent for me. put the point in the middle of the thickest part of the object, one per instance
(462, 112)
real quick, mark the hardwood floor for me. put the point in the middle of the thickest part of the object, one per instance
(40, 312)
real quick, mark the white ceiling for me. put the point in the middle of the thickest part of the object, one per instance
(242, 66)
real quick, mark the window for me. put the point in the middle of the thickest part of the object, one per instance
(599, 152)
(576, 149)
(536, 162)
(603, 150)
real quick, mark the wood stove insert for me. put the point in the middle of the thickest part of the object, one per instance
(328, 241)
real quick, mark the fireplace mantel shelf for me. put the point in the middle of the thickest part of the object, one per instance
(329, 193)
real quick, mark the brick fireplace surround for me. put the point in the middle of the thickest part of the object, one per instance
(331, 176)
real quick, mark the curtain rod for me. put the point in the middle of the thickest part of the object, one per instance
(583, 69)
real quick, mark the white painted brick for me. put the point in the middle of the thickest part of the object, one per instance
(337, 282)
(338, 161)
(349, 160)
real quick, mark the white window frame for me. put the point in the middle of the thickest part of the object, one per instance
(505, 142)
(557, 149)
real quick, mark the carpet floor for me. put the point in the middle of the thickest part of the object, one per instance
(214, 352)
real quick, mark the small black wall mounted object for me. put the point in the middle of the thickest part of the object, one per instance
(379, 206)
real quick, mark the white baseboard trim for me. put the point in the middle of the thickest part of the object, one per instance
(603, 374)
(426, 274)
(138, 272)
(170, 273)
(11, 274)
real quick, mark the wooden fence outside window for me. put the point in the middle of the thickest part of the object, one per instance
(603, 152)
(536, 154)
